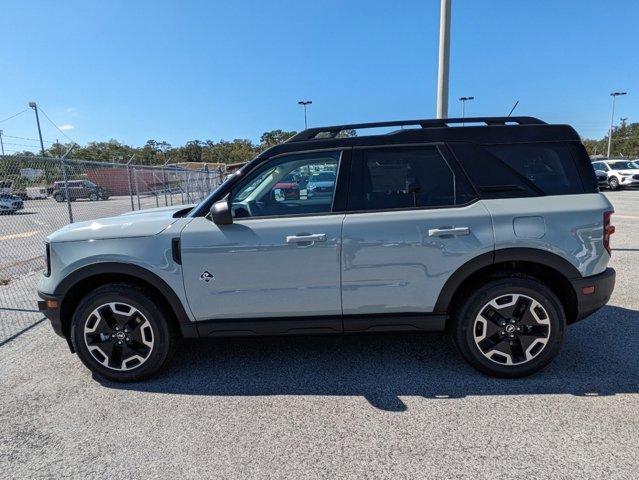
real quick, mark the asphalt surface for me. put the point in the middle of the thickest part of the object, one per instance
(353, 407)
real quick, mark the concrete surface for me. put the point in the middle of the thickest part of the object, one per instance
(354, 407)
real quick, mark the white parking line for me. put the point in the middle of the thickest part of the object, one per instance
(625, 216)
(19, 235)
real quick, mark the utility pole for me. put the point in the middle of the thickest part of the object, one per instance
(2, 144)
(614, 95)
(35, 107)
(464, 100)
(304, 103)
(444, 59)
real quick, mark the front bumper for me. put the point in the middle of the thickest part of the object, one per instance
(589, 303)
(49, 306)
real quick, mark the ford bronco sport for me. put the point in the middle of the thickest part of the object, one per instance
(494, 232)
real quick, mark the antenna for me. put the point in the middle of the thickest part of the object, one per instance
(513, 109)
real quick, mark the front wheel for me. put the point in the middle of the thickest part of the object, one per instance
(510, 327)
(120, 332)
(58, 198)
(94, 197)
(614, 183)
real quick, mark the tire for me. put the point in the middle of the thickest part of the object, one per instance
(94, 197)
(58, 198)
(483, 327)
(614, 183)
(131, 316)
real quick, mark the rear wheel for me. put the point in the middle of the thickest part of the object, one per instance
(510, 327)
(121, 333)
(58, 197)
(94, 197)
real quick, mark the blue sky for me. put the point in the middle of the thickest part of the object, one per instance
(182, 70)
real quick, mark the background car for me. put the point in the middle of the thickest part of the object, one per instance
(602, 178)
(10, 203)
(288, 188)
(621, 173)
(320, 184)
(79, 189)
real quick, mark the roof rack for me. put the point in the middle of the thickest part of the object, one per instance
(333, 131)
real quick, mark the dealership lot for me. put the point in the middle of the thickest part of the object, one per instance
(379, 406)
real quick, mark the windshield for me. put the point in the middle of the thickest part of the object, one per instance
(623, 165)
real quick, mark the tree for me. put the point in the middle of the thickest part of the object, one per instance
(275, 137)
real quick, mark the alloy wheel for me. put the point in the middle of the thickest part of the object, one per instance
(511, 329)
(118, 336)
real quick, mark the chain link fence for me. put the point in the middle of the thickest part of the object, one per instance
(39, 195)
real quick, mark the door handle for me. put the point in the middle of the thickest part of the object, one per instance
(441, 232)
(315, 237)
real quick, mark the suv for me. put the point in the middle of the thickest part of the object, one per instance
(78, 189)
(621, 173)
(495, 233)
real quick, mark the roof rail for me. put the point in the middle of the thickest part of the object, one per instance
(334, 130)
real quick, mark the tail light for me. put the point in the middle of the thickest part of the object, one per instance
(608, 230)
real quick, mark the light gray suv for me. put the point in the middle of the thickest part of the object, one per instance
(495, 233)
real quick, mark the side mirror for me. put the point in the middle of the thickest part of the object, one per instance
(221, 213)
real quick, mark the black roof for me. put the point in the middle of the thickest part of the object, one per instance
(481, 130)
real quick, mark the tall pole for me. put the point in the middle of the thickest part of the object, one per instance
(444, 60)
(304, 103)
(2, 144)
(614, 95)
(464, 100)
(35, 107)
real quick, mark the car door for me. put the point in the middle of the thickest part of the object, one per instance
(276, 268)
(412, 220)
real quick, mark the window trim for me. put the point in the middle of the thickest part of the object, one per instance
(343, 162)
(446, 155)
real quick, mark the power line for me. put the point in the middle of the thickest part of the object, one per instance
(15, 115)
(27, 138)
(56, 127)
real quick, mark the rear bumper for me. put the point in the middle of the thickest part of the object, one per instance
(603, 283)
(47, 308)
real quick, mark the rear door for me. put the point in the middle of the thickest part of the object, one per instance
(412, 220)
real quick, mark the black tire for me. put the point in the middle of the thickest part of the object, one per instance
(158, 331)
(614, 183)
(94, 197)
(468, 325)
(58, 198)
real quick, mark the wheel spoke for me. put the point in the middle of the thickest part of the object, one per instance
(492, 315)
(517, 353)
(521, 308)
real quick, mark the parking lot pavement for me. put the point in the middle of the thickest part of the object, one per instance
(376, 407)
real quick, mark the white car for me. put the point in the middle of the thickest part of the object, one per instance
(10, 203)
(621, 173)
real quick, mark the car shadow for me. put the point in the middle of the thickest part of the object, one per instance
(599, 357)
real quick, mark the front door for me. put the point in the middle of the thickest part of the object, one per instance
(279, 260)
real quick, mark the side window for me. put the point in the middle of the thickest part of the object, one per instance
(405, 177)
(291, 185)
(550, 167)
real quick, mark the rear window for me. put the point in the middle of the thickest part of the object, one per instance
(550, 167)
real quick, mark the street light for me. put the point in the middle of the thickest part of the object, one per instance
(614, 95)
(464, 100)
(304, 103)
(35, 107)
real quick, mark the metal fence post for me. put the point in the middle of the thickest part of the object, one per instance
(128, 174)
(208, 180)
(137, 189)
(63, 161)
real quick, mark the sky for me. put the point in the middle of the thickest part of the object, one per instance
(184, 70)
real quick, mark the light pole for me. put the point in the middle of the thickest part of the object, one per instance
(35, 107)
(614, 95)
(464, 100)
(444, 60)
(304, 103)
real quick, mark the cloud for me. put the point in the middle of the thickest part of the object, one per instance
(66, 126)
(70, 110)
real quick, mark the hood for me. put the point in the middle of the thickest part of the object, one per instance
(142, 223)
(629, 171)
(172, 209)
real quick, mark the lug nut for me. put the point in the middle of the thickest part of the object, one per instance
(126, 331)
(117, 328)
(512, 320)
(119, 342)
(512, 335)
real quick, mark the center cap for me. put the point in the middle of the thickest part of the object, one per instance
(510, 328)
(120, 335)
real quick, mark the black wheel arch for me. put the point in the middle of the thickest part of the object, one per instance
(546, 266)
(81, 281)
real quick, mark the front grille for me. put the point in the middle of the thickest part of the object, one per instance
(635, 177)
